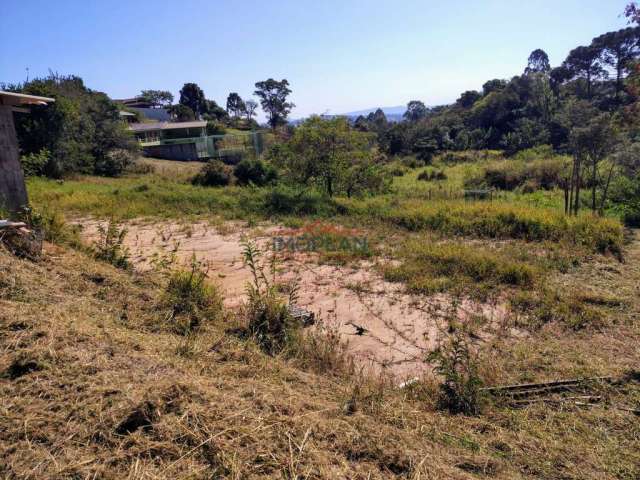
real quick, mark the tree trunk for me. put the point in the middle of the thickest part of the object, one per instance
(594, 181)
(605, 191)
(572, 183)
(576, 205)
(13, 193)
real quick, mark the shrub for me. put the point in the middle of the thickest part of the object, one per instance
(213, 174)
(429, 175)
(254, 172)
(396, 169)
(33, 164)
(140, 168)
(284, 200)
(114, 162)
(191, 300)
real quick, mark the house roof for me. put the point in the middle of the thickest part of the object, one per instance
(17, 99)
(150, 127)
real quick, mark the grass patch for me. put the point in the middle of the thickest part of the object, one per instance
(536, 308)
(429, 268)
(191, 301)
(498, 220)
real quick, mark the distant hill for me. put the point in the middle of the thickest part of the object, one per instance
(390, 112)
(393, 114)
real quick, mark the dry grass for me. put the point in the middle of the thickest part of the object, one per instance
(91, 390)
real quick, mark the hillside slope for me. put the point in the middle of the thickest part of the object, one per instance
(92, 388)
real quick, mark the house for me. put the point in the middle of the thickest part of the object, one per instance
(174, 140)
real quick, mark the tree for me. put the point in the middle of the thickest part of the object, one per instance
(416, 110)
(215, 111)
(538, 62)
(235, 105)
(595, 141)
(250, 109)
(157, 98)
(592, 137)
(619, 49)
(181, 113)
(586, 63)
(557, 77)
(632, 12)
(493, 86)
(327, 153)
(192, 96)
(81, 131)
(273, 99)
(468, 98)
(377, 121)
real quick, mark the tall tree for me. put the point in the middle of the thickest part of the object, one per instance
(619, 49)
(538, 62)
(273, 99)
(157, 98)
(416, 110)
(632, 12)
(250, 109)
(192, 96)
(586, 63)
(235, 105)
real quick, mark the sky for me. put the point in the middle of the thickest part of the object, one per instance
(338, 55)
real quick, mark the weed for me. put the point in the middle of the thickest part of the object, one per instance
(191, 300)
(454, 360)
(110, 245)
(268, 318)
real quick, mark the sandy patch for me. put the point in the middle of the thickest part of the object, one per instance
(399, 329)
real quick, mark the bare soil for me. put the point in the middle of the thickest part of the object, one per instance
(399, 329)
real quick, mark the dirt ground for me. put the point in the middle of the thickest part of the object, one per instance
(399, 329)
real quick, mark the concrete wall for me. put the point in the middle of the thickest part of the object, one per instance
(13, 193)
(182, 151)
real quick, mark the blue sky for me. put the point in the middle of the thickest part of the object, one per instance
(339, 56)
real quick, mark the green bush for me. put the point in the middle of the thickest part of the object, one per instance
(285, 200)
(214, 174)
(114, 163)
(33, 164)
(255, 172)
(80, 129)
